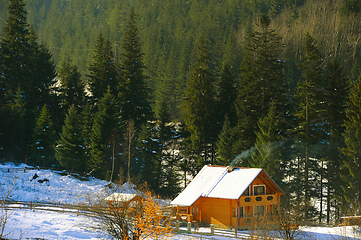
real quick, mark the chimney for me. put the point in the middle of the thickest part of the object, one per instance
(230, 168)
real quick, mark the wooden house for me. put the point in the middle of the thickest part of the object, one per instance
(123, 200)
(228, 196)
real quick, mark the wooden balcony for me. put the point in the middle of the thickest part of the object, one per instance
(258, 200)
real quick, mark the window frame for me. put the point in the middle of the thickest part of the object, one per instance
(262, 185)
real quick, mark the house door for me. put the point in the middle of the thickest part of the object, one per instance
(195, 213)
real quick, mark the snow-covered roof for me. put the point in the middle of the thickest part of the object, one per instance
(121, 197)
(217, 182)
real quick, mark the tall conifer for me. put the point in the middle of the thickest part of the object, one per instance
(26, 66)
(70, 149)
(133, 89)
(226, 95)
(198, 107)
(262, 83)
(267, 154)
(309, 98)
(352, 163)
(102, 70)
(72, 88)
(337, 94)
(106, 122)
(224, 144)
(44, 139)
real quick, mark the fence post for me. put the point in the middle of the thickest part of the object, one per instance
(177, 226)
(189, 227)
(212, 229)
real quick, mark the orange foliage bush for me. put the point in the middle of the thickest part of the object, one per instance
(150, 221)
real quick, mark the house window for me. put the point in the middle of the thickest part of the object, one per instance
(241, 212)
(259, 190)
(195, 212)
(258, 210)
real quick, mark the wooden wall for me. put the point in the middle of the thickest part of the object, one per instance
(221, 211)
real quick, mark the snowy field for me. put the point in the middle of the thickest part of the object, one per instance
(28, 224)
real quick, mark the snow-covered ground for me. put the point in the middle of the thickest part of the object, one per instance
(65, 190)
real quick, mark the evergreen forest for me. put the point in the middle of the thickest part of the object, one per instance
(151, 91)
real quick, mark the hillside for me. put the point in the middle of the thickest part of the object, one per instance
(169, 30)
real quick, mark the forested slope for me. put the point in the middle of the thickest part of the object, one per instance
(168, 30)
(266, 84)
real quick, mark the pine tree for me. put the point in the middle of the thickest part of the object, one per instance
(87, 125)
(337, 93)
(14, 127)
(227, 94)
(224, 144)
(133, 90)
(262, 83)
(129, 147)
(309, 98)
(102, 70)
(42, 72)
(168, 162)
(147, 158)
(106, 122)
(350, 172)
(26, 67)
(44, 139)
(15, 49)
(72, 89)
(267, 154)
(198, 108)
(70, 149)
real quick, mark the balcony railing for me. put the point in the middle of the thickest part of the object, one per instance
(259, 200)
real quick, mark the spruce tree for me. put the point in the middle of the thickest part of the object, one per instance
(198, 109)
(70, 149)
(87, 125)
(15, 49)
(106, 122)
(244, 131)
(147, 158)
(309, 98)
(267, 154)
(262, 83)
(226, 95)
(26, 66)
(337, 94)
(72, 88)
(102, 70)
(168, 166)
(42, 72)
(14, 127)
(44, 139)
(351, 169)
(133, 90)
(224, 144)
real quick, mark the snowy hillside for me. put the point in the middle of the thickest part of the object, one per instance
(58, 189)
(24, 223)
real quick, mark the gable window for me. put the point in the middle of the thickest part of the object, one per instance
(259, 190)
